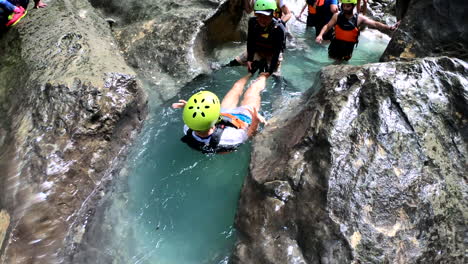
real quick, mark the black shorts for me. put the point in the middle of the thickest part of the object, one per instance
(311, 20)
(340, 50)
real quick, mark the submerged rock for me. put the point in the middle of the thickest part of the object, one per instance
(374, 168)
(72, 105)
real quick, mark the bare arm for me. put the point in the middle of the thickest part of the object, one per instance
(327, 27)
(302, 11)
(377, 25)
(334, 9)
(180, 104)
(286, 13)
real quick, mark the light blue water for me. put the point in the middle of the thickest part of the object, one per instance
(181, 204)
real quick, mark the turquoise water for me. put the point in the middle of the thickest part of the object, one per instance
(180, 205)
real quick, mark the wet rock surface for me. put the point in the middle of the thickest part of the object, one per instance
(371, 169)
(72, 105)
(167, 41)
(382, 10)
(429, 28)
(4, 224)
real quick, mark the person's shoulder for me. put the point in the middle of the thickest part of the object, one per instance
(362, 18)
(332, 2)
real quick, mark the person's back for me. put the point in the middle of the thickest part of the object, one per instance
(324, 12)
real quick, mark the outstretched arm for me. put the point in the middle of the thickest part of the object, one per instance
(298, 17)
(327, 27)
(377, 25)
(180, 104)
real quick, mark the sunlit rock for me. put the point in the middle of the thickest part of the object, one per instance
(71, 105)
(378, 156)
(168, 42)
(429, 28)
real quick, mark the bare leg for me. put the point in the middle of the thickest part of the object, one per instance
(231, 99)
(39, 4)
(252, 95)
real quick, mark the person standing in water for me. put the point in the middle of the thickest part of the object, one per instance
(265, 40)
(211, 127)
(325, 9)
(311, 13)
(346, 25)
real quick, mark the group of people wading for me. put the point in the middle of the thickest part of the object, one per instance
(212, 126)
(12, 11)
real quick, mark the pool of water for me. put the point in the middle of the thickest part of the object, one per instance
(179, 205)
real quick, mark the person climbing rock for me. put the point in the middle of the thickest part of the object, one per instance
(10, 14)
(324, 12)
(265, 40)
(211, 127)
(346, 25)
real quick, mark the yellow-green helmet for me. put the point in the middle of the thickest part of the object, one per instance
(265, 5)
(202, 111)
(354, 2)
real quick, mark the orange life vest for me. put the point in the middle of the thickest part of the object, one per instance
(233, 120)
(347, 30)
(312, 10)
(320, 2)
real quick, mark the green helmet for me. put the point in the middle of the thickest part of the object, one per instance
(354, 2)
(264, 5)
(202, 111)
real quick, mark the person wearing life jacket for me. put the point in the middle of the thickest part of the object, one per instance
(311, 13)
(211, 127)
(325, 9)
(266, 40)
(346, 25)
(281, 12)
(10, 14)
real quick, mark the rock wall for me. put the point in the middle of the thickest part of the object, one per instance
(429, 28)
(369, 170)
(167, 41)
(72, 105)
